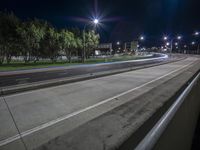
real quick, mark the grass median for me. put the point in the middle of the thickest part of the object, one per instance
(20, 65)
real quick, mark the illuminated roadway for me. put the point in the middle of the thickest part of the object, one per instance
(13, 78)
(44, 114)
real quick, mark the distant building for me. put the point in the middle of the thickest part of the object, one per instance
(104, 49)
(131, 46)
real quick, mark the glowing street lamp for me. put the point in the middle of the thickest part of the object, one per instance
(193, 43)
(171, 42)
(118, 43)
(196, 33)
(95, 22)
(179, 37)
(141, 38)
(165, 38)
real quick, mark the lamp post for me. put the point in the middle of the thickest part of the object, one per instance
(95, 22)
(197, 35)
(193, 46)
(171, 42)
(141, 38)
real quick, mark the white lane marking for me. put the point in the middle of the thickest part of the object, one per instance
(9, 140)
(45, 125)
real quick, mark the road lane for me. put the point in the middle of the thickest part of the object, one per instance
(9, 79)
(33, 109)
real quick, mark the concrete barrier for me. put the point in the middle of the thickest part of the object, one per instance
(176, 127)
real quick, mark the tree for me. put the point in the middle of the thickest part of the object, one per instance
(79, 46)
(91, 42)
(68, 43)
(37, 29)
(2, 53)
(79, 41)
(31, 33)
(36, 39)
(50, 44)
(9, 39)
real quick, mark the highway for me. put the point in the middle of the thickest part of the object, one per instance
(44, 114)
(13, 78)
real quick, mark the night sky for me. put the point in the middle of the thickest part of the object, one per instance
(122, 20)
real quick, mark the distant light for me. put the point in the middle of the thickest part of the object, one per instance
(96, 21)
(165, 38)
(142, 38)
(118, 43)
(176, 47)
(167, 43)
(185, 46)
(176, 43)
(196, 33)
(193, 43)
(138, 46)
(179, 37)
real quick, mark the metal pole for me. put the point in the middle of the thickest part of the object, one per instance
(83, 52)
(171, 47)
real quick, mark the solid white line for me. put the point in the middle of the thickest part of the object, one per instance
(45, 125)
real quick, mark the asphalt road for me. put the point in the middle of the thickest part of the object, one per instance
(12, 79)
(44, 114)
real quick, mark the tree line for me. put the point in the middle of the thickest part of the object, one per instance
(35, 39)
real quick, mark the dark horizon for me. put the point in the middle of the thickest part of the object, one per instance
(123, 21)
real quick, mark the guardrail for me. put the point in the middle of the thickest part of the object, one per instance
(154, 135)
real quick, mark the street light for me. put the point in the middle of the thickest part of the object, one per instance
(95, 22)
(141, 38)
(196, 33)
(193, 43)
(179, 37)
(165, 38)
(171, 42)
